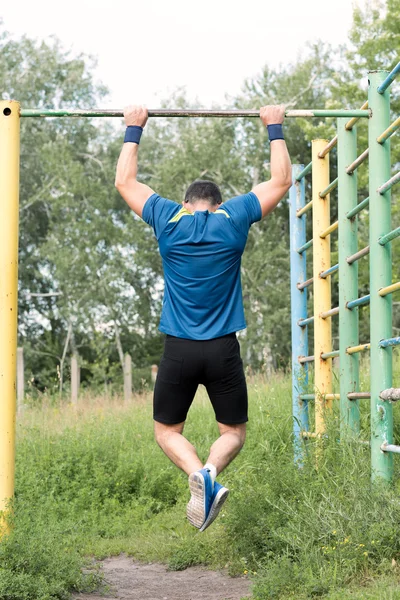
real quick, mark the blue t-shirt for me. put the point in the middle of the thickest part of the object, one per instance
(201, 254)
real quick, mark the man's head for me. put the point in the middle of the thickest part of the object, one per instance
(202, 192)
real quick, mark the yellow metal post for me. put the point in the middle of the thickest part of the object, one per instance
(322, 286)
(9, 186)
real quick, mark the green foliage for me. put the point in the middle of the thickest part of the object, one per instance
(93, 482)
(79, 240)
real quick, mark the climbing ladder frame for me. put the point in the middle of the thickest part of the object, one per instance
(381, 235)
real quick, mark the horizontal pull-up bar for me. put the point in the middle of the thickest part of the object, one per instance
(184, 112)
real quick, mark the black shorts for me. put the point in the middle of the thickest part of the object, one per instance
(214, 363)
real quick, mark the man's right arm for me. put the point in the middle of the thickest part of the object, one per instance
(271, 192)
(133, 192)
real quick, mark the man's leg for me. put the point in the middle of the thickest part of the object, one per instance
(227, 446)
(222, 452)
(178, 449)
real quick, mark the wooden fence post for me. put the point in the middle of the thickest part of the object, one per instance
(20, 380)
(127, 378)
(75, 377)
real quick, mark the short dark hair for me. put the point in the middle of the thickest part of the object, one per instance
(203, 190)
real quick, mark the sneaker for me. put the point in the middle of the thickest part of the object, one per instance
(201, 489)
(219, 496)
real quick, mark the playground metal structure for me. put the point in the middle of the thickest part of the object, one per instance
(376, 110)
(381, 342)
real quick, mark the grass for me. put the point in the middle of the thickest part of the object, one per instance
(92, 483)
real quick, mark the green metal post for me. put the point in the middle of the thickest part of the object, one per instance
(348, 280)
(380, 276)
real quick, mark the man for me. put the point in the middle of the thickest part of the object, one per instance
(201, 244)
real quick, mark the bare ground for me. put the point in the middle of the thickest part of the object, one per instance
(130, 580)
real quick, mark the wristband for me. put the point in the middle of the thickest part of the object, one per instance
(275, 132)
(133, 134)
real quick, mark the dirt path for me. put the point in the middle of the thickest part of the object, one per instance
(130, 580)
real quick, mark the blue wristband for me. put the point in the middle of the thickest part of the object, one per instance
(133, 134)
(275, 132)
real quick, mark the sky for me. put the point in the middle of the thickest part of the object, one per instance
(146, 50)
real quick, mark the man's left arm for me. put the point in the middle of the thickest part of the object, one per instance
(133, 192)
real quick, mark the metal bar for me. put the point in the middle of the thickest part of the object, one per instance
(9, 200)
(358, 208)
(307, 396)
(359, 348)
(302, 286)
(298, 312)
(330, 230)
(304, 171)
(390, 448)
(350, 124)
(392, 235)
(329, 271)
(306, 359)
(322, 287)
(380, 277)
(358, 301)
(334, 140)
(305, 208)
(359, 396)
(305, 247)
(304, 322)
(389, 289)
(389, 183)
(332, 186)
(330, 313)
(348, 282)
(357, 162)
(389, 131)
(333, 354)
(357, 255)
(389, 342)
(390, 395)
(389, 79)
(183, 112)
(328, 147)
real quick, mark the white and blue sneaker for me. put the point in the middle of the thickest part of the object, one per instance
(219, 496)
(201, 489)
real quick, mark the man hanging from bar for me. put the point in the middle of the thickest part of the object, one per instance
(201, 243)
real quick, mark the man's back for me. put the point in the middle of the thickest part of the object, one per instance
(201, 254)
